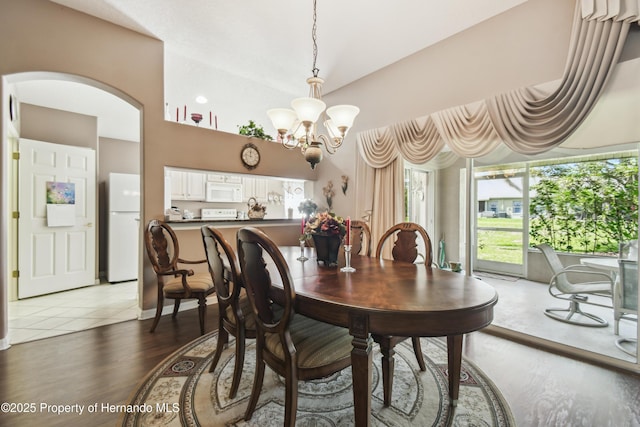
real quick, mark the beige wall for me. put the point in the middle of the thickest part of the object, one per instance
(59, 127)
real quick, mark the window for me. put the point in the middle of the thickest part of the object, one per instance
(582, 204)
(585, 205)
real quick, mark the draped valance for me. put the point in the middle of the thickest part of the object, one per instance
(528, 120)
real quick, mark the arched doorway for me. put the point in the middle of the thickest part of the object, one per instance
(64, 95)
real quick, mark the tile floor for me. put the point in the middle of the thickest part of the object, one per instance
(64, 312)
(521, 305)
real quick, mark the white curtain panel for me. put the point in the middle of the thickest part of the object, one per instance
(616, 10)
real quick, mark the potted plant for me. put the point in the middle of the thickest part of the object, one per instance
(255, 130)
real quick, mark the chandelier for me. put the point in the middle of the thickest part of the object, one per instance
(297, 128)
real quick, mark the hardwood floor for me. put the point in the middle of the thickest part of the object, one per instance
(101, 365)
(104, 365)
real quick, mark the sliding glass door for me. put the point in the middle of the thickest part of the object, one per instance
(501, 207)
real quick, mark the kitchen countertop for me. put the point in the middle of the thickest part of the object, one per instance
(198, 222)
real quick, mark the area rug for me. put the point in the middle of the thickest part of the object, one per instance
(180, 391)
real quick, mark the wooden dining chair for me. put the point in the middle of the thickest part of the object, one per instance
(294, 346)
(405, 245)
(174, 282)
(360, 238)
(235, 317)
(405, 249)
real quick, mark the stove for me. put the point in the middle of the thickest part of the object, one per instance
(219, 213)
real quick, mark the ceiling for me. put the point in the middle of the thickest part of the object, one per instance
(260, 51)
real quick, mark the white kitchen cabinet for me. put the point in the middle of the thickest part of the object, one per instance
(214, 177)
(229, 179)
(233, 179)
(255, 187)
(187, 185)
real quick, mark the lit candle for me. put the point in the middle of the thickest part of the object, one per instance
(348, 239)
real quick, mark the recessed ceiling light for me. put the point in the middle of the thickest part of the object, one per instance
(201, 99)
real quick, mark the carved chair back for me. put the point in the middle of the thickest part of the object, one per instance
(406, 245)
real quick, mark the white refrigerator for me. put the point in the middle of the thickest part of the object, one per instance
(123, 227)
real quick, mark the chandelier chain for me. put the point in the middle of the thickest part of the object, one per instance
(298, 128)
(315, 69)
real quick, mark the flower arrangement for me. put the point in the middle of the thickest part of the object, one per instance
(307, 207)
(327, 224)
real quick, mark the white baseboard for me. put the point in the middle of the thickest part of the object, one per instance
(5, 342)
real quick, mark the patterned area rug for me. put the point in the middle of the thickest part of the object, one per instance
(181, 391)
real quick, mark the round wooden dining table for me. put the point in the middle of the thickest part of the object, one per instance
(385, 297)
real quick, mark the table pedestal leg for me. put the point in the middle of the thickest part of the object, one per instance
(361, 369)
(454, 356)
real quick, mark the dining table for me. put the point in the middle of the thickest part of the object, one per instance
(389, 298)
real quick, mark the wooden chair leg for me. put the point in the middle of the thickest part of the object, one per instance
(257, 387)
(202, 309)
(291, 397)
(176, 307)
(158, 312)
(417, 349)
(223, 339)
(237, 369)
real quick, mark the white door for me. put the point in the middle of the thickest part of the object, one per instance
(55, 258)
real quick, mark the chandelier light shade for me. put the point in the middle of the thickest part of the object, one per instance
(308, 110)
(343, 115)
(297, 127)
(282, 118)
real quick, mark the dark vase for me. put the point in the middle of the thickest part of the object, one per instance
(327, 248)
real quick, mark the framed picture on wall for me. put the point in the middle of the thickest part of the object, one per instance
(13, 108)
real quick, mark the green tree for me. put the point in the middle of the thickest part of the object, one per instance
(586, 207)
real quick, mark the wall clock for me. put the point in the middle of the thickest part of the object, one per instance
(250, 156)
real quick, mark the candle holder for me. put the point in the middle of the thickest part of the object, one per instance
(347, 256)
(302, 257)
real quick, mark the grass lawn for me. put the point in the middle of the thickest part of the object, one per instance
(501, 246)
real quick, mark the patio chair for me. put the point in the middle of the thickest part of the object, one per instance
(563, 286)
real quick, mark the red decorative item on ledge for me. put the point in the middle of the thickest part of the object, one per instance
(197, 118)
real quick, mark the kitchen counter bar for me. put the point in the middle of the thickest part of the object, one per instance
(231, 223)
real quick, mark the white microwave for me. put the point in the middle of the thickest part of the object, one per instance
(223, 192)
